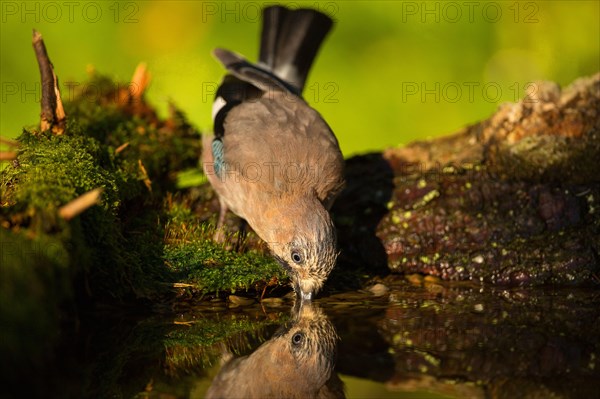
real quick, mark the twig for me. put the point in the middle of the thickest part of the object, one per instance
(53, 113)
(184, 323)
(80, 204)
(7, 155)
(122, 147)
(9, 142)
(139, 82)
(145, 177)
(182, 285)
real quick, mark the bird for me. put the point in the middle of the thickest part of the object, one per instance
(298, 361)
(272, 158)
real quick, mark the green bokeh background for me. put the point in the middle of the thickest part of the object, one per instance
(390, 72)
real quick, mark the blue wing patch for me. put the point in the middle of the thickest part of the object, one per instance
(217, 152)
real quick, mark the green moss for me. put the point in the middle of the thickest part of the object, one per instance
(551, 158)
(212, 268)
(53, 170)
(118, 248)
(209, 266)
(109, 244)
(140, 239)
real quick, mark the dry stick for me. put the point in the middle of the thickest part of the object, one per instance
(145, 177)
(182, 285)
(8, 142)
(53, 113)
(7, 155)
(80, 204)
(139, 82)
(122, 147)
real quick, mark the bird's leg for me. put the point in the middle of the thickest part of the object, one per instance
(242, 233)
(220, 230)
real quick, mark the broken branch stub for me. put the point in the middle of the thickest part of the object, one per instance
(52, 115)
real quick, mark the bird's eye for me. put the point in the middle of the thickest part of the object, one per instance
(296, 257)
(297, 338)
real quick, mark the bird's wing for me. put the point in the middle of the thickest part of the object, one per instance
(280, 145)
(252, 73)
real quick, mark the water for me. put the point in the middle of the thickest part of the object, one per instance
(410, 340)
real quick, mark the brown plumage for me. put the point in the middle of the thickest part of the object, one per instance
(297, 362)
(274, 161)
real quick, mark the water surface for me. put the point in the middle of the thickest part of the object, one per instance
(422, 339)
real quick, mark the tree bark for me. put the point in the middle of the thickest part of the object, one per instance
(511, 200)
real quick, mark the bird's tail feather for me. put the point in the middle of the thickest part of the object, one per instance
(290, 40)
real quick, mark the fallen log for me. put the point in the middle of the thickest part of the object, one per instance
(511, 200)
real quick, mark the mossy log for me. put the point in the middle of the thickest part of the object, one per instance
(513, 200)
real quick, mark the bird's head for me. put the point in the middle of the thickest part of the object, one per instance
(306, 248)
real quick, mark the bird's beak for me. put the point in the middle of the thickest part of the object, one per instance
(305, 296)
(301, 294)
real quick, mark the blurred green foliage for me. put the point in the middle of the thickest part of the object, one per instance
(390, 72)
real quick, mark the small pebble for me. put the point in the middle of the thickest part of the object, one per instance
(478, 259)
(379, 289)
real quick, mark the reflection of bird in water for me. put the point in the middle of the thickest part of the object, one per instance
(297, 362)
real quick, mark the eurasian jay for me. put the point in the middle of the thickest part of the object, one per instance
(297, 362)
(273, 160)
